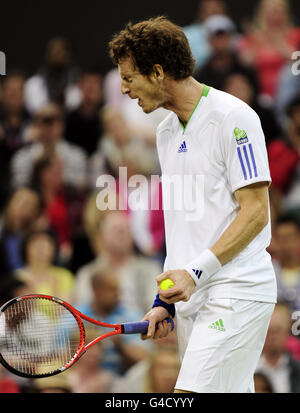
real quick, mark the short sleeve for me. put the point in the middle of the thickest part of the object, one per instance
(243, 149)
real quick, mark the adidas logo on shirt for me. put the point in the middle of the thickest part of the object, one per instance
(182, 148)
(218, 325)
(198, 273)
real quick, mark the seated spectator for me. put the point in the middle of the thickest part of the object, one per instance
(122, 351)
(8, 384)
(238, 85)
(83, 125)
(287, 263)
(196, 33)
(224, 58)
(14, 120)
(140, 124)
(282, 370)
(87, 376)
(270, 43)
(284, 161)
(19, 216)
(121, 149)
(288, 88)
(115, 249)
(11, 287)
(117, 140)
(49, 125)
(292, 196)
(262, 384)
(52, 384)
(40, 273)
(55, 81)
(163, 371)
(62, 205)
(156, 374)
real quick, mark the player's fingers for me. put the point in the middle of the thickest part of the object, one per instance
(162, 330)
(162, 277)
(151, 328)
(172, 291)
(174, 298)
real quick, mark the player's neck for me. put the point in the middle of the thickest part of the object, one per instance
(183, 97)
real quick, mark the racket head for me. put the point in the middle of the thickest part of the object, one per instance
(40, 336)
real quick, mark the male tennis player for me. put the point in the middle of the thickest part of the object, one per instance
(225, 287)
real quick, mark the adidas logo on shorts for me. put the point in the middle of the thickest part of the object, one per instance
(217, 325)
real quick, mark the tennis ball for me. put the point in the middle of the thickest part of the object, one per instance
(166, 284)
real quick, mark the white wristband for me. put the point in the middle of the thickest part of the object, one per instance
(207, 263)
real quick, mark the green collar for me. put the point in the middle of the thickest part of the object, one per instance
(204, 93)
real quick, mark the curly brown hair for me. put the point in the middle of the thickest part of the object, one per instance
(154, 41)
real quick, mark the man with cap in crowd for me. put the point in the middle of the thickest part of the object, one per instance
(222, 36)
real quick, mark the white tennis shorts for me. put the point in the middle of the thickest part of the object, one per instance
(220, 345)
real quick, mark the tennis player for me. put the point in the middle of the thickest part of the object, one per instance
(225, 286)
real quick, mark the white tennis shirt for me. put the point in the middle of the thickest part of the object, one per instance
(221, 149)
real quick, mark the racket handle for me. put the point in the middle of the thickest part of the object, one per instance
(140, 327)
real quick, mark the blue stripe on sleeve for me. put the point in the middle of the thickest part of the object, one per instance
(242, 163)
(253, 160)
(247, 160)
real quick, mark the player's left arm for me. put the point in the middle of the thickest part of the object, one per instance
(252, 217)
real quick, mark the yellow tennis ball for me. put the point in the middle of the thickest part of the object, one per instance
(166, 284)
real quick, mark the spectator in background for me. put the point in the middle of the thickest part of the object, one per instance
(284, 160)
(62, 206)
(143, 376)
(122, 351)
(140, 124)
(7, 383)
(163, 371)
(53, 384)
(119, 148)
(83, 125)
(39, 272)
(11, 287)
(14, 120)
(287, 263)
(239, 85)
(55, 81)
(224, 58)
(288, 87)
(87, 376)
(270, 43)
(19, 217)
(49, 125)
(291, 202)
(276, 363)
(136, 274)
(196, 33)
(117, 139)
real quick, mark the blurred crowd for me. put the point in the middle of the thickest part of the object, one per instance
(64, 126)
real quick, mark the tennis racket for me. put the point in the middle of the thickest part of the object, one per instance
(41, 335)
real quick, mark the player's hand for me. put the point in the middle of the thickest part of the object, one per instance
(181, 291)
(157, 316)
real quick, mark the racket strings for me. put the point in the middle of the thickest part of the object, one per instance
(39, 336)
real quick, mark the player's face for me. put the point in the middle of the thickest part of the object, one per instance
(144, 88)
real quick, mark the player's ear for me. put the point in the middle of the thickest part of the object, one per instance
(158, 72)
